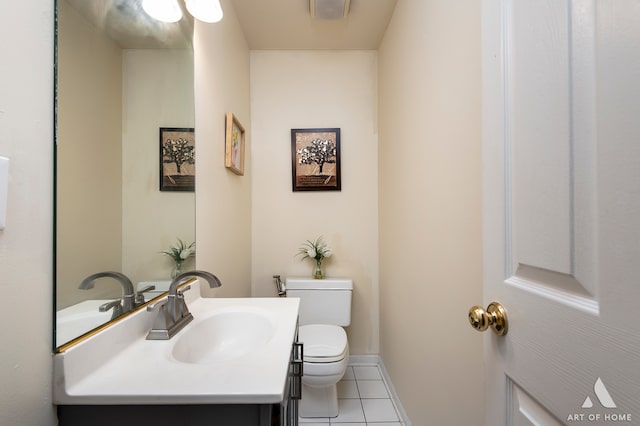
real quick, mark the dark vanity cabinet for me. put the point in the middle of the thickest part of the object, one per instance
(284, 413)
(289, 407)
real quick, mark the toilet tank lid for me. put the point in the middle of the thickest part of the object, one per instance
(324, 284)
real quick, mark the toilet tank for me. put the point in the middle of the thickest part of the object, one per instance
(326, 301)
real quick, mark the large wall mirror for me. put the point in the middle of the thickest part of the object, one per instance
(121, 76)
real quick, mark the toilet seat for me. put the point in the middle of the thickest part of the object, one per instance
(323, 343)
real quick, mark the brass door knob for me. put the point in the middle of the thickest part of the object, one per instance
(495, 316)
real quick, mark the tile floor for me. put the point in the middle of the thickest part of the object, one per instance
(363, 399)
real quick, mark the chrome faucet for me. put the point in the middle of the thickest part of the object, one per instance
(174, 313)
(128, 295)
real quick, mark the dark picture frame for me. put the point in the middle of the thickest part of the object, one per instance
(315, 159)
(177, 159)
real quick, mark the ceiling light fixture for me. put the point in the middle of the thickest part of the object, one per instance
(170, 11)
(205, 10)
(163, 10)
(329, 9)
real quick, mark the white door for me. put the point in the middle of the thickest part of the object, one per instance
(561, 135)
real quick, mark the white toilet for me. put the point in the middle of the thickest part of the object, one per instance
(325, 307)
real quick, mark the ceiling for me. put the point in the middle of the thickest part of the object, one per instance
(127, 24)
(287, 24)
(267, 24)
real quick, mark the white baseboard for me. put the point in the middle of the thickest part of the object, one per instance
(376, 360)
(394, 395)
(364, 359)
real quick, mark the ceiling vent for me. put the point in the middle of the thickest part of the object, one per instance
(329, 9)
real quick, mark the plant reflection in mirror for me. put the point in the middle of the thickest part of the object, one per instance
(179, 254)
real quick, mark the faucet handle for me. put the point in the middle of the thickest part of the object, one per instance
(181, 308)
(183, 289)
(115, 305)
(154, 306)
(139, 299)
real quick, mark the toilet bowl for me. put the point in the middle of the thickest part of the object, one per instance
(326, 355)
(325, 308)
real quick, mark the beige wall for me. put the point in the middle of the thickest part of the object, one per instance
(430, 209)
(89, 171)
(26, 134)
(314, 89)
(223, 199)
(157, 92)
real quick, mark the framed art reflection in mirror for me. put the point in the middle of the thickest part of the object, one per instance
(177, 159)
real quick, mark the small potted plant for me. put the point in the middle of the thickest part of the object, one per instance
(316, 250)
(179, 254)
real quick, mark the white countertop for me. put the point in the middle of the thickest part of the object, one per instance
(119, 366)
(78, 319)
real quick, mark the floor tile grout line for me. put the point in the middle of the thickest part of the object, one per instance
(399, 420)
(393, 402)
(360, 399)
(359, 394)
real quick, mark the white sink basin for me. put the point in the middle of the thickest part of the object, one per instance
(235, 351)
(223, 336)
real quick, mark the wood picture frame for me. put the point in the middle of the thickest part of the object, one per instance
(234, 146)
(177, 159)
(315, 159)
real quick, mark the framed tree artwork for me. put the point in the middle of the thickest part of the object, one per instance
(315, 159)
(177, 159)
